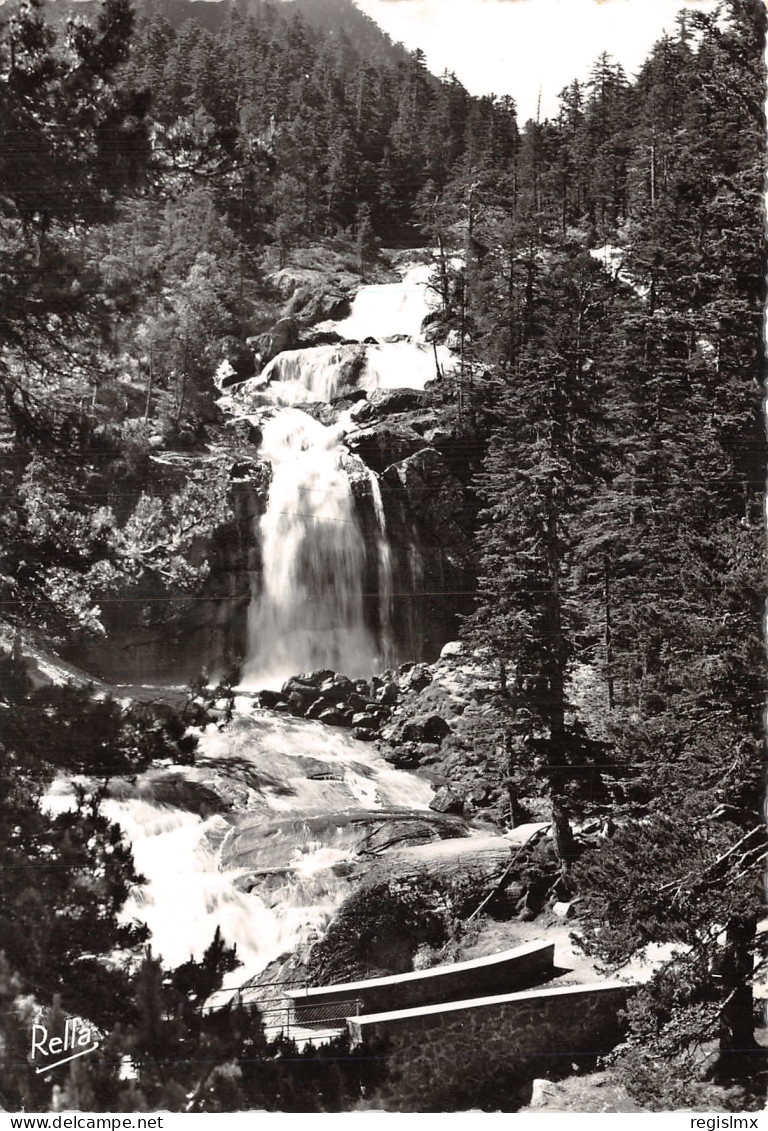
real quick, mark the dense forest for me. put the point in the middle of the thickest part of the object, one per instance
(601, 278)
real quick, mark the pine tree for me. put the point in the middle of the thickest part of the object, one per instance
(688, 561)
(542, 464)
(84, 141)
(366, 244)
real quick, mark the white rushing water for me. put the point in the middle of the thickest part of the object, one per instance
(386, 592)
(297, 376)
(308, 611)
(387, 310)
(303, 795)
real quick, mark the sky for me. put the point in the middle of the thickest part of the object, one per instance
(521, 47)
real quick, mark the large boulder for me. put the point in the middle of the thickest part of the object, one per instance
(404, 756)
(320, 411)
(300, 695)
(389, 835)
(362, 721)
(173, 789)
(314, 303)
(336, 688)
(387, 401)
(362, 411)
(283, 336)
(299, 703)
(385, 444)
(315, 710)
(388, 694)
(336, 717)
(299, 683)
(425, 728)
(415, 677)
(312, 337)
(316, 677)
(431, 729)
(348, 398)
(451, 650)
(270, 699)
(447, 801)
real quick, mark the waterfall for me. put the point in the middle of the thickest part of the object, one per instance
(308, 609)
(304, 375)
(272, 826)
(389, 310)
(395, 365)
(385, 572)
(309, 613)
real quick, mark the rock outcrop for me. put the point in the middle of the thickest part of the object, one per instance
(434, 496)
(385, 443)
(282, 336)
(409, 900)
(151, 638)
(336, 700)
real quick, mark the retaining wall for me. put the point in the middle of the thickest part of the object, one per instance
(465, 1054)
(526, 965)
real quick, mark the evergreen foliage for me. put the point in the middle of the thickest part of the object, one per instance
(602, 277)
(622, 558)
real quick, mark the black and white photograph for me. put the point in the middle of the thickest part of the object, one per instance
(383, 584)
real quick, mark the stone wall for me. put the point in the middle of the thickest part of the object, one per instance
(466, 1054)
(526, 965)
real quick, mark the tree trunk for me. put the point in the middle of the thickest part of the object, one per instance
(561, 834)
(444, 292)
(607, 636)
(737, 1026)
(150, 377)
(555, 709)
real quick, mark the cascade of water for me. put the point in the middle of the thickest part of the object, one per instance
(304, 375)
(189, 893)
(397, 365)
(309, 613)
(385, 572)
(388, 310)
(308, 786)
(176, 851)
(270, 872)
